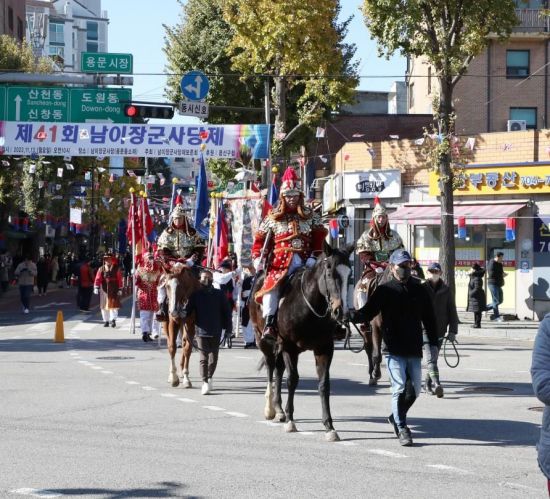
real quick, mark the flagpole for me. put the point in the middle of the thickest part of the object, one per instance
(132, 210)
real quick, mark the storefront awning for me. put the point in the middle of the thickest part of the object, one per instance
(475, 214)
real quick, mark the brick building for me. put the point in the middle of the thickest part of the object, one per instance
(12, 18)
(496, 91)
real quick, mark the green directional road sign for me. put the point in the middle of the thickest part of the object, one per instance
(104, 62)
(59, 104)
(99, 104)
(37, 104)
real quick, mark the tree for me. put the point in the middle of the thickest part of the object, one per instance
(300, 44)
(199, 42)
(449, 34)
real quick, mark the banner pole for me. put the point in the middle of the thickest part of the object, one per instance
(133, 315)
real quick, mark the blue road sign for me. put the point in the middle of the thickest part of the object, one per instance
(195, 85)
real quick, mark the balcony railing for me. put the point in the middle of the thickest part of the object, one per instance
(532, 21)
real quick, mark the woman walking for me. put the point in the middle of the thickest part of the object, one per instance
(476, 294)
(26, 274)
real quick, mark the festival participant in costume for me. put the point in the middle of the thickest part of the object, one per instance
(296, 235)
(108, 284)
(178, 242)
(147, 278)
(378, 242)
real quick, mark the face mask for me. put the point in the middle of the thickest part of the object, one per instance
(403, 273)
(435, 277)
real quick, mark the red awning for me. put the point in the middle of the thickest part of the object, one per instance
(475, 214)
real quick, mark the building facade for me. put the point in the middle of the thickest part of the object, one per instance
(12, 18)
(505, 88)
(64, 29)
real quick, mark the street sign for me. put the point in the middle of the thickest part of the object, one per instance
(99, 104)
(64, 105)
(195, 85)
(105, 62)
(190, 108)
(37, 104)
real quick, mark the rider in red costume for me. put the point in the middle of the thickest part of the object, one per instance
(296, 236)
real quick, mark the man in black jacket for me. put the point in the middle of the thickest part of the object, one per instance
(405, 307)
(495, 282)
(212, 315)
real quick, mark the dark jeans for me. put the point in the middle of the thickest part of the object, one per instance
(208, 348)
(496, 293)
(83, 297)
(25, 294)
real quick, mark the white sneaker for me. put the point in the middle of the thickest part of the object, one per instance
(210, 384)
(155, 336)
(26, 311)
(205, 388)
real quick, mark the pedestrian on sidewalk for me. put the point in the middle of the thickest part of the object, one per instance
(148, 275)
(249, 336)
(85, 285)
(540, 374)
(108, 284)
(43, 275)
(25, 273)
(446, 319)
(405, 307)
(212, 315)
(495, 282)
(476, 294)
(5, 267)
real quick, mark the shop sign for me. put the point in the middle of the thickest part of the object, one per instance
(541, 235)
(498, 180)
(372, 183)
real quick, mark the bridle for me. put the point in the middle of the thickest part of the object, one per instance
(326, 296)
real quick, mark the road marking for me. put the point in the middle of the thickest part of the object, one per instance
(386, 453)
(478, 369)
(346, 443)
(148, 388)
(99, 368)
(237, 414)
(85, 362)
(522, 372)
(40, 318)
(357, 364)
(189, 401)
(517, 486)
(16, 338)
(74, 354)
(132, 382)
(37, 327)
(243, 357)
(36, 492)
(445, 467)
(84, 326)
(307, 432)
(106, 372)
(269, 423)
(170, 395)
(213, 408)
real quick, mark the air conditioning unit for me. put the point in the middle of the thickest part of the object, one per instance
(517, 125)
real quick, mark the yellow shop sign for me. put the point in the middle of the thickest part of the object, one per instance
(499, 180)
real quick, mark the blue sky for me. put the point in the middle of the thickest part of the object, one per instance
(136, 27)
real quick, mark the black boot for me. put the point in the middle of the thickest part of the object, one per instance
(106, 324)
(113, 323)
(146, 337)
(270, 331)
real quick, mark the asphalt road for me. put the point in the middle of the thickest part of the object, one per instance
(95, 417)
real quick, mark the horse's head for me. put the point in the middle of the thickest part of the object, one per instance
(335, 270)
(180, 283)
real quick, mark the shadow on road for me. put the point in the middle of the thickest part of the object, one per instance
(163, 489)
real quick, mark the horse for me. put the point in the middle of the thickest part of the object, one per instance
(372, 332)
(180, 282)
(313, 303)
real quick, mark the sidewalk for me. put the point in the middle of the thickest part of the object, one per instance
(512, 330)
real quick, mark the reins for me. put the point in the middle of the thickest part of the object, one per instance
(309, 304)
(453, 343)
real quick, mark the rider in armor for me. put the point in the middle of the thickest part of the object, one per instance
(295, 235)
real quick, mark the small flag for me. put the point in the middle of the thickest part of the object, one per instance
(395, 137)
(334, 227)
(281, 135)
(88, 176)
(510, 229)
(319, 133)
(419, 141)
(461, 227)
(5, 163)
(69, 166)
(372, 152)
(323, 159)
(346, 157)
(60, 172)
(40, 184)
(100, 169)
(82, 189)
(131, 173)
(471, 143)
(57, 187)
(358, 135)
(32, 169)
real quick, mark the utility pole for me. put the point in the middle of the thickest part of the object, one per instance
(266, 174)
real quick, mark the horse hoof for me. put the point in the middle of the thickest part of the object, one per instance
(280, 417)
(269, 414)
(175, 382)
(290, 427)
(373, 382)
(332, 436)
(187, 383)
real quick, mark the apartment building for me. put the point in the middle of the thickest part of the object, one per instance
(12, 18)
(63, 29)
(506, 87)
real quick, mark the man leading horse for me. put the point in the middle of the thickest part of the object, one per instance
(290, 236)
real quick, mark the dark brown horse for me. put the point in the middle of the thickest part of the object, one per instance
(180, 282)
(372, 332)
(311, 305)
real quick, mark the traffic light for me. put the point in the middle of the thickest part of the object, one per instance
(137, 111)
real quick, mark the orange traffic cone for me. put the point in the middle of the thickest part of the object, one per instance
(59, 333)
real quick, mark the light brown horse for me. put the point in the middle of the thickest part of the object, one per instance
(180, 282)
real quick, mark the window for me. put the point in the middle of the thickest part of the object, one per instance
(411, 95)
(20, 29)
(92, 30)
(517, 63)
(10, 18)
(56, 32)
(92, 47)
(529, 114)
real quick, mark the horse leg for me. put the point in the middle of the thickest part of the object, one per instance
(280, 415)
(292, 378)
(171, 342)
(323, 359)
(269, 409)
(377, 346)
(187, 349)
(367, 335)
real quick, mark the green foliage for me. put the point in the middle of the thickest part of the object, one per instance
(222, 169)
(19, 57)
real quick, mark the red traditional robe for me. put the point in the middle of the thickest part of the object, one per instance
(147, 280)
(290, 235)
